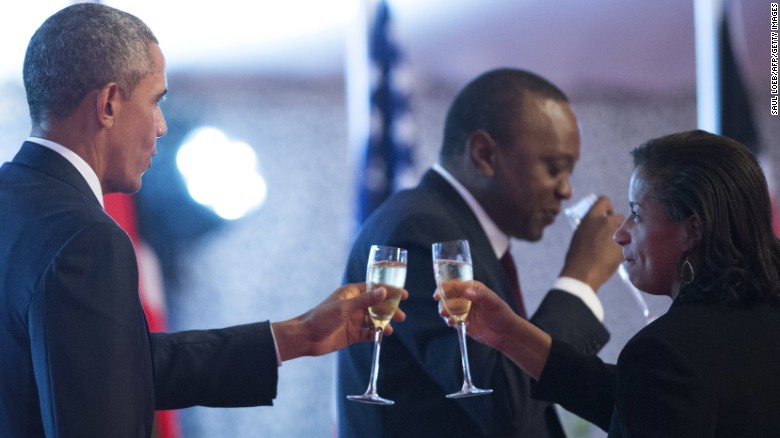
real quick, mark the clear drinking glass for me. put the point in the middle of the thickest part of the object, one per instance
(574, 215)
(452, 262)
(386, 268)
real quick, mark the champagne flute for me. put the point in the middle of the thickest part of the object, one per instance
(452, 262)
(386, 268)
(574, 215)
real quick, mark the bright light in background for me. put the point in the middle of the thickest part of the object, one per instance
(221, 174)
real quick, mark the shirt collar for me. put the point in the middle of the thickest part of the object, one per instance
(83, 168)
(498, 240)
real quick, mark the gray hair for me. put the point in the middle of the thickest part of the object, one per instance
(79, 49)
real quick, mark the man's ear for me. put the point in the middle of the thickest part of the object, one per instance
(482, 152)
(107, 102)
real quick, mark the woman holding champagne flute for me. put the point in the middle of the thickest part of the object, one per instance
(699, 231)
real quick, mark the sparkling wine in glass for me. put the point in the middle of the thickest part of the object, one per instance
(574, 215)
(386, 268)
(452, 262)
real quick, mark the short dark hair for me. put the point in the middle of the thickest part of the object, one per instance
(720, 183)
(82, 48)
(492, 102)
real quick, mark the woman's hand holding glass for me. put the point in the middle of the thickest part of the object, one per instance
(452, 266)
(486, 321)
(492, 322)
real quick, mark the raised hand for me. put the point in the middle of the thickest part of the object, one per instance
(492, 322)
(338, 321)
(593, 256)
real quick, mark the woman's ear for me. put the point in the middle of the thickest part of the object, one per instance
(692, 228)
(482, 152)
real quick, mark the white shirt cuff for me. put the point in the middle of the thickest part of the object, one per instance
(276, 347)
(584, 292)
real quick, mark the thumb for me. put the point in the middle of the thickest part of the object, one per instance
(368, 299)
(478, 294)
(474, 292)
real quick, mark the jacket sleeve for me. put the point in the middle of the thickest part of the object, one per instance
(229, 367)
(583, 384)
(567, 318)
(574, 376)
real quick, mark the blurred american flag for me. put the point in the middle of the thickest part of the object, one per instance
(387, 159)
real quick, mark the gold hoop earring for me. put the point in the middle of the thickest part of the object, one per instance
(687, 273)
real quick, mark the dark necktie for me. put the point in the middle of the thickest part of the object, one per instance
(511, 272)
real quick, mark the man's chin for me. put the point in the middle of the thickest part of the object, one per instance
(129, 188)
(533, 235)
(536, 237)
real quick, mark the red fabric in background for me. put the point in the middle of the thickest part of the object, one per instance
(122, 209)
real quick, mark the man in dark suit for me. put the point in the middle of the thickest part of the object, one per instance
(77, 357)
(510, 145)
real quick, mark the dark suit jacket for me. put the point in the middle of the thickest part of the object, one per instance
(701, 370)
(420, 361)
(77, 357)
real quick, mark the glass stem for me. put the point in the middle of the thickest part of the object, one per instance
(375, 361)
(464, 357)
(636, 294)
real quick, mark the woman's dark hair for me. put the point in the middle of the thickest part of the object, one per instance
(719, 183)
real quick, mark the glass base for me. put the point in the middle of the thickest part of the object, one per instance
(469, 392)
(371, 399)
